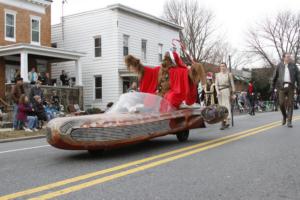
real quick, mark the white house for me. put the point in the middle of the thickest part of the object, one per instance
(106, 35)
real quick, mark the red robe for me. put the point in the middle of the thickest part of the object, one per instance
(149, 81)
(181, 88)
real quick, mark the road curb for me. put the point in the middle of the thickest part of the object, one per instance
(22, 138)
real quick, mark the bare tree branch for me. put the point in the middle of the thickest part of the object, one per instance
(198, 33)
(276, 36)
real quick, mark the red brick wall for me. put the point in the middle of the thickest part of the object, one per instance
(23, 25)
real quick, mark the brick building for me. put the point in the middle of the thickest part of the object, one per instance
(25, 42)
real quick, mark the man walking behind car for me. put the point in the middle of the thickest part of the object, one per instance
(285, 76)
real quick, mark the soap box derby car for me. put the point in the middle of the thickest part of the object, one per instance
(136, 117)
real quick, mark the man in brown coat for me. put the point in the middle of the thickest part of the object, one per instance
(285, 77)
(16, 93)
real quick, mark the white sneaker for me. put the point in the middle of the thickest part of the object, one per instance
(35, 129)
(27, 130)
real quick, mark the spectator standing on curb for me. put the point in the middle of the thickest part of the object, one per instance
(251, 96)
(16, 93)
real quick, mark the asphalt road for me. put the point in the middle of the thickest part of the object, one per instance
(256, 159)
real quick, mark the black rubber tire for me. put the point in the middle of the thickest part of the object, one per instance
(183, 136)
(96, 152)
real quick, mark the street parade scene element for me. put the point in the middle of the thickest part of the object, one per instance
(150, 100)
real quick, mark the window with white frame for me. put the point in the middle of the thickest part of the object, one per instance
(98, 87)
(160, 52)
(10, 26)
(144, 50)
(98, 46)
(35, 30)
(125, 45)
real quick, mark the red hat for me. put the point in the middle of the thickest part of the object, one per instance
(209, 75)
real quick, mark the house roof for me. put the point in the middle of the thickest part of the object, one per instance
(131, 11)
(144, 15)
(40, 50)
(40, 2)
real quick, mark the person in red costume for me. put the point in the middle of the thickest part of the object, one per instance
(173, 80)
(178, 82)
(148, 76)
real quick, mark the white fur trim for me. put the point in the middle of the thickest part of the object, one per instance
(172, 57)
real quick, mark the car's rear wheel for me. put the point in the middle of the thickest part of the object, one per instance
(183, 136)
(96, 152)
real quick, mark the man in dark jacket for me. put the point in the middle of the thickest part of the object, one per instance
(16, 93)
(64, 78)
(36, 90)
(285, 77)
(39, 111)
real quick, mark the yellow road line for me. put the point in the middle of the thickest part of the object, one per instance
(142, 168)
(119, 167)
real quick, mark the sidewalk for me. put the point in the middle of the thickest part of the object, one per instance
(7, 134)
(5, 130)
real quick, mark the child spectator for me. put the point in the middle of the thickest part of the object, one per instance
(26, 115)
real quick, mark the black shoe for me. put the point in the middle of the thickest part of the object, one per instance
(289, 124)
(283, 121)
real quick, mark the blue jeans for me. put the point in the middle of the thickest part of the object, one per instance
(15, 112)
(32, 122)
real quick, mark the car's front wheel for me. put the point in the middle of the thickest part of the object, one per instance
(183, 136)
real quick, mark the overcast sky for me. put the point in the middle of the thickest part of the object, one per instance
(233, 16)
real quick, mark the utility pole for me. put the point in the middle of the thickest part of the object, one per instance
(62, 21)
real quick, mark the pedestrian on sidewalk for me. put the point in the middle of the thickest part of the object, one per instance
(251, 97)
(285, 76)
(16, 92)
(225, 88)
